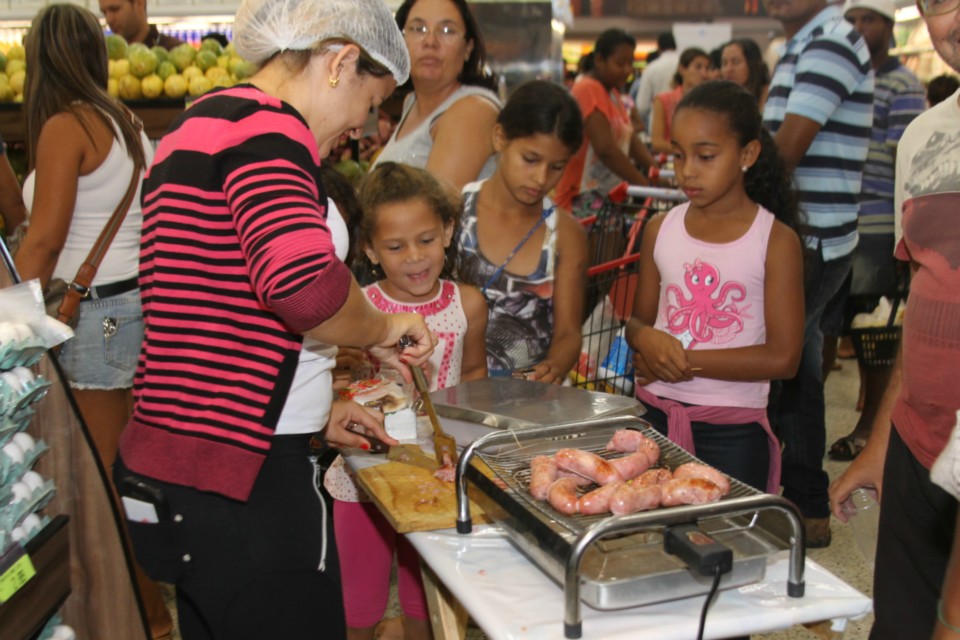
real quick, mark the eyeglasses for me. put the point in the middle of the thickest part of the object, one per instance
(445, 32)
(937, 7)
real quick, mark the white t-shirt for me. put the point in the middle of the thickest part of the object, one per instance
(308, 404)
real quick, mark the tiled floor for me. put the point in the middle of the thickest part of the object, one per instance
(842, 557)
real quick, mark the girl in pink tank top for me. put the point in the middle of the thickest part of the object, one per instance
(719, 306)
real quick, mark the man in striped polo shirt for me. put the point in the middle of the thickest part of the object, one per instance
(820, 112)
(897, 100)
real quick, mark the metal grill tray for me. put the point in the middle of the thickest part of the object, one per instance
(623, 563)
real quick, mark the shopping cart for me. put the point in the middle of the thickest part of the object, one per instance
(606, 362)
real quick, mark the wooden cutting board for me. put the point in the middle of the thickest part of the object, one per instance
(413, 499)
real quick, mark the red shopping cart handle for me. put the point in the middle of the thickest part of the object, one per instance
(618, 194)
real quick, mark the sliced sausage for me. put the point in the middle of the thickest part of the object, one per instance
(631, 465)
(562, 496)
(598, 500)
(697, 470)
(586, 464)
(543, 471)
(689, 491)
(631, 497)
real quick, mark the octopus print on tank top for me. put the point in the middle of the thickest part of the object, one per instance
(712, 297)
(520, 317)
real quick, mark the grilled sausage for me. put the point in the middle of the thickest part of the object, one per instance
(657, 476)
(689, 491)
(543, 471)
(631, 497)
(598, 500)
(631, 465)
(562, 496)
(631, 441)
(697, 470)
(580, 480)
(586, 464)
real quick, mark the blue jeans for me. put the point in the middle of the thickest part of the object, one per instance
(798, 416)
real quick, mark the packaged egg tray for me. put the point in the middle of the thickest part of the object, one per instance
(29, 494)
(18, 455)
(19, 388)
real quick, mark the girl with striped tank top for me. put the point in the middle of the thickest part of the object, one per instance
(719, 306)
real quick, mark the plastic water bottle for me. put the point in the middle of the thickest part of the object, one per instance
(864, 518)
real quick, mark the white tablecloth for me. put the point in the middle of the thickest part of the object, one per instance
(510, 598)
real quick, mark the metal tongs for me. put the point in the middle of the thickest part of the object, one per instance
(444, 445)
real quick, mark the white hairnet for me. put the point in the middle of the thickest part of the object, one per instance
(264, 27)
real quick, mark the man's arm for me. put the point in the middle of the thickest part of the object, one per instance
(794, 138)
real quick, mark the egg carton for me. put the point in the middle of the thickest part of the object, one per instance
(18, 455)
(20, 388)
(20, 499)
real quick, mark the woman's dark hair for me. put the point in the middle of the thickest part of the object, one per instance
(586, 63)
(610, 40)
(767, 182)
(344, 195)
(716, 58)
(62, 79)
(475, 71)
(540, 106)
(758, 75)
(686, 59)
(392, 182)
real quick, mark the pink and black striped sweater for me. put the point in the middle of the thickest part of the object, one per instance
(236, 261)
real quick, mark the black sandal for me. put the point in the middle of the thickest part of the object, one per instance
(847, 448)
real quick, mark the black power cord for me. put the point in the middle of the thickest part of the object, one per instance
(701, 553)
(717, 572)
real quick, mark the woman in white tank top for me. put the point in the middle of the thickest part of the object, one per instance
(84, 149)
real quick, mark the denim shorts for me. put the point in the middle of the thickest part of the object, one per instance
(103, 353)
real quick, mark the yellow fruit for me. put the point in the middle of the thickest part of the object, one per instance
(6, 91)
(214, 73)
(17, 52)
(152, 86)
(223, 61)
(129, 88)
(16, 81)
(224, 81)
(113, 87)
(119, 68)
(191, 72)
(199, 86)
(241, 68)
(174, 86)
(14, 65)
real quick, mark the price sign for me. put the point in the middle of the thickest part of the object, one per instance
(16, 570)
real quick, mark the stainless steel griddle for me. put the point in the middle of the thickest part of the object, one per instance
(614, 562)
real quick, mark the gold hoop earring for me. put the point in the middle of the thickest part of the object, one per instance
(333, 81)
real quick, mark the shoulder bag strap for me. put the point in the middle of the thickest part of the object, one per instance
(80, 287)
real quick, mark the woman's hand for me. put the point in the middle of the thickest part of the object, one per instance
(866, 470)
(347, 413)
(413, 326)
(660, 356)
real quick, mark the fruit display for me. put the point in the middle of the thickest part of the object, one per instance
(138, 72)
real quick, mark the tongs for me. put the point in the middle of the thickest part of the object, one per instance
(444, 445)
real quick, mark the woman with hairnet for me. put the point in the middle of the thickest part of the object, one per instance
(242, 294)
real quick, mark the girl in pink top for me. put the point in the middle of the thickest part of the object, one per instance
(692, 70)
(719, 307)
(406, 231)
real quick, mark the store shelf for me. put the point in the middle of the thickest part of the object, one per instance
(155, 114)
(25, 614)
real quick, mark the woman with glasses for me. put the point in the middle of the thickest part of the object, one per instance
(446, 126)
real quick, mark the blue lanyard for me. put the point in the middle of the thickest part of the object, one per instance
(496, 274)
